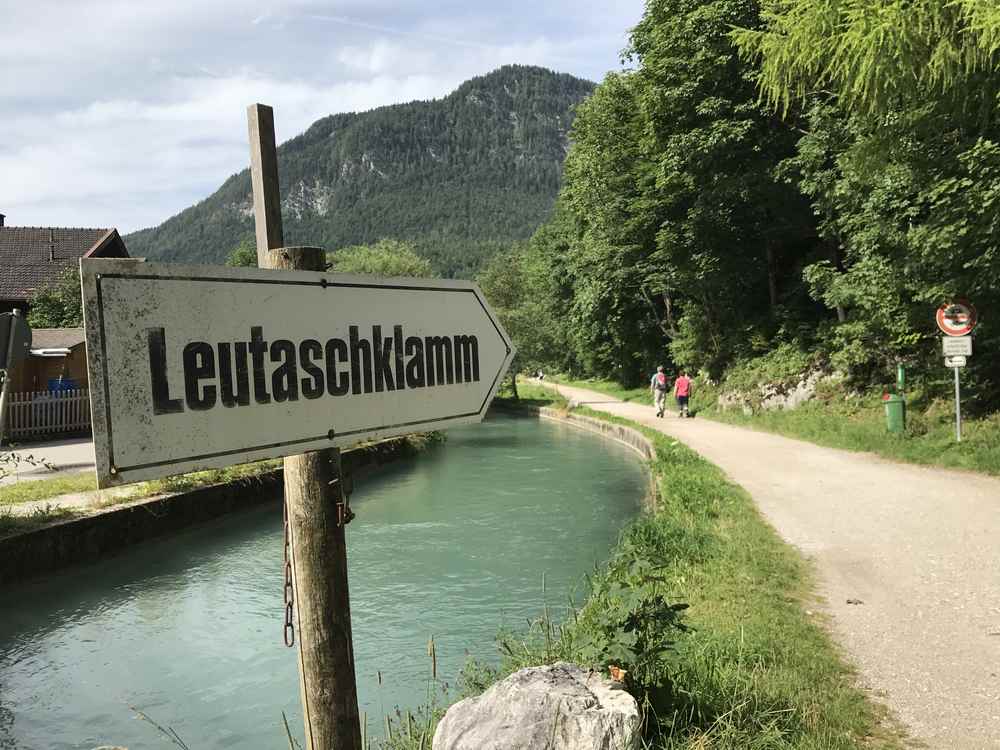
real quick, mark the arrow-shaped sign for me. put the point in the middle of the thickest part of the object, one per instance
(195, 367)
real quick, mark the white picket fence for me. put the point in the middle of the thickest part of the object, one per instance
(40, 413)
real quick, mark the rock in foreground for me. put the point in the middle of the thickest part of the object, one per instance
(558, 707)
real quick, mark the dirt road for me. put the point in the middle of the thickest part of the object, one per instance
(917, 548)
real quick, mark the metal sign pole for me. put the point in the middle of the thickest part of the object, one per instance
(958, 407)
(7, 373)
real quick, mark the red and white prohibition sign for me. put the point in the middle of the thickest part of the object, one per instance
(957, 318)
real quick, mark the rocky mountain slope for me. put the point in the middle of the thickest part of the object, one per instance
(458, 176)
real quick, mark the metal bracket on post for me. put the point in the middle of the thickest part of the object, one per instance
(344, 513)
(341, 487)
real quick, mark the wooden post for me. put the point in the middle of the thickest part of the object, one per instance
(264, 180)
(313, 489)
(8, 374)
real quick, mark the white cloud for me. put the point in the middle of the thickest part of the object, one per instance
(122, 113)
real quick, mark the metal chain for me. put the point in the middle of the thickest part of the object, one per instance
(289, 632)
(344, 513)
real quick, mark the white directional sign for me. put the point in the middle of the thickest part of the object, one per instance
(195, 367)
(955, 346)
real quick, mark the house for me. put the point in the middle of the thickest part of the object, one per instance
(48, 392)
(33, 257)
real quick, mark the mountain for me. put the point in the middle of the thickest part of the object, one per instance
(458, 176)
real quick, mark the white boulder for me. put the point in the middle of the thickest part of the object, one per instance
(557, 707)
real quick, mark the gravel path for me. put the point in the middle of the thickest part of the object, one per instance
(908, 560)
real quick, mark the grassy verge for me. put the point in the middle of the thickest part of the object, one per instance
(184, 482)
(747, 664)
(758, 669)
(51, 489)
(29, 490)
(838, 419)
(11, 523)
(857, 423)
(531, 394)
(640, 395)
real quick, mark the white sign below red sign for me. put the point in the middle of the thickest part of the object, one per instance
(957, 346)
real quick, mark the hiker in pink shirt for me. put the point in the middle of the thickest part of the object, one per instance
(682, 392)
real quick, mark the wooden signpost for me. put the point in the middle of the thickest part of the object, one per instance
(315, 506)
(195, 367)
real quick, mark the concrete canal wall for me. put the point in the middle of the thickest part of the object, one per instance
(627, 436)
(107, 532)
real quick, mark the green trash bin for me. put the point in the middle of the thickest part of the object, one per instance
(895, 414)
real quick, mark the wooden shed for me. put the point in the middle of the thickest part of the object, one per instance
(49, 394)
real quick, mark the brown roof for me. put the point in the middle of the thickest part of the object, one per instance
(56, 338)
(31, 257)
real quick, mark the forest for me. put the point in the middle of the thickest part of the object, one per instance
(799, 183)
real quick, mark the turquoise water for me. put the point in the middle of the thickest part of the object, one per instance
(452, 544)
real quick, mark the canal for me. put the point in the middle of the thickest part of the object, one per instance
(451, 545)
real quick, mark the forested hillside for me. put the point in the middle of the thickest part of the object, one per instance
(459, 177)
(803, 191)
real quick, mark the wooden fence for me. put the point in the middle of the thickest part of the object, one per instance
(33, 415)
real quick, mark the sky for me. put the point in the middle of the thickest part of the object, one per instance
(124, 112)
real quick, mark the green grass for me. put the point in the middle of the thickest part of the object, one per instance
(50, 489)
(758, 671)
(46, 489)
(41, 489)
(11, 523)
(184, 482)
(838, 419)
(640, 394)
(531, 394)
(756, 668)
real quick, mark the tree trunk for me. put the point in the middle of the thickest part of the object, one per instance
(669, 307)
(839, 265)
(513, 386)
(772, 274)
(666, 321)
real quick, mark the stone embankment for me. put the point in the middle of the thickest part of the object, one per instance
(772, 396)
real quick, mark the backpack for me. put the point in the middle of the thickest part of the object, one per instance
(661, 382)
